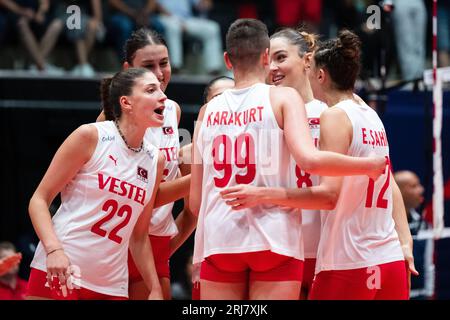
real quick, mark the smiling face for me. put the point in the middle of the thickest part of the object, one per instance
(287, 68)
(147, 100)
(155, 58)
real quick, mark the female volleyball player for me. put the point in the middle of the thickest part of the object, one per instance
(108, 176)
(290, 58)
(147, 49)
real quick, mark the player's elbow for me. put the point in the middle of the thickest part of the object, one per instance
(310, 163)
(31, 206)
(194, 206)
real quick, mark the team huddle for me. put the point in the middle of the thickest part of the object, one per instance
(287, 182)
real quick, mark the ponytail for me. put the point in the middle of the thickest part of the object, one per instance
(107, 107)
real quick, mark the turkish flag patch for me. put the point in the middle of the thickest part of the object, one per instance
(167, 130)
(142, 174)
(314, 121)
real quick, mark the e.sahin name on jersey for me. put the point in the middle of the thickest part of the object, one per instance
(225, 118)
(374, 138)
(122, 188)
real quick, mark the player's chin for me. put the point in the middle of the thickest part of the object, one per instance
(157, 120)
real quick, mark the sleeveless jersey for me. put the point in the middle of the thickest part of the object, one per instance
(167, 140)
(302, 179)
(241, 143)
(99, 210)
(360, 232)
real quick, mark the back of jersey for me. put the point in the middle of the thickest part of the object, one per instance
(360, 231)
(241, 143)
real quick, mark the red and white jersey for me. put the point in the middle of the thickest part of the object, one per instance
(360, 232)
(241, 143)
(301, 179)
(99, 210)
(167, 140)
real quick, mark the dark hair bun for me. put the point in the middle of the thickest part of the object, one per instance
(349, 45)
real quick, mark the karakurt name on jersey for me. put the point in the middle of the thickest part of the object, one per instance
(121, 188)
(226, 118)
(374, 138)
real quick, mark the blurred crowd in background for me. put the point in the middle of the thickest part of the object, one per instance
(51, 37)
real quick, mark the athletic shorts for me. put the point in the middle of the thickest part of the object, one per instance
(161, 254)
(37, 288)
(308, 274)
(251, 266)
(383, 282)
(196, 290)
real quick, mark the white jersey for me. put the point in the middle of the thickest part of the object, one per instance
(99, 210)
(360, 232)
(302, 179)
(241, 143)
(167, 140)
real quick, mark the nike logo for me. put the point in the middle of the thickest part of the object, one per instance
(115, 160)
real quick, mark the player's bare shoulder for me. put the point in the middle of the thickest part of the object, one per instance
(279, 96)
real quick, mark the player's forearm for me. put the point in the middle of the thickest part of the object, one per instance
(326, 163)
(186, 223)
(172, 191)
(312, 198)
(42, 223)
(400, 217)
(141, 251)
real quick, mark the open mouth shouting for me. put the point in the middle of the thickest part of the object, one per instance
(160, 112)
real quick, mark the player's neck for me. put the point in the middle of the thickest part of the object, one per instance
(305, 91)
(333, 97)
(132, 133)
(247, 78)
